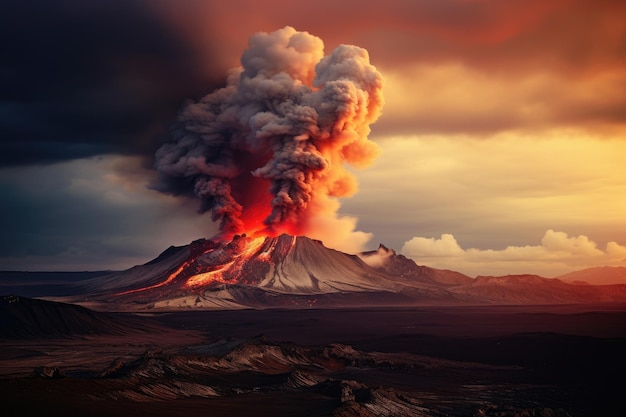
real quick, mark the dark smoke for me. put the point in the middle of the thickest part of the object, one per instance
(259, 151)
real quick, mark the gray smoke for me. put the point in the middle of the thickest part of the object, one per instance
(287, 121)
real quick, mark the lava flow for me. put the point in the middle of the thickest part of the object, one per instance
(170, 278)
(242, 260)
(229, 272)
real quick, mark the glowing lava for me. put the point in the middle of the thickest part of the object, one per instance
(207, 278)
(169, 279)
(228, 270)
(242, 260)
(268, 153)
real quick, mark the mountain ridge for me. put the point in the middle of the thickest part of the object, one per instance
(24, 318)
(298, 272)
(599, 275)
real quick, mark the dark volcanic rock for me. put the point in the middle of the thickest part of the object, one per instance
(171, 251)
(22, 317)
(48, 372)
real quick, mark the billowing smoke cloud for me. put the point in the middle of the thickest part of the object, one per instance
(265, 153)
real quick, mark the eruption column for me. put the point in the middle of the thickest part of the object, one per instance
(260, 151)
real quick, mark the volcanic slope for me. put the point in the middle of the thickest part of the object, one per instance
(296, 272)
(283, 271)
(27, 318)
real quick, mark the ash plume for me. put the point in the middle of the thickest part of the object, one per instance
(267, 152)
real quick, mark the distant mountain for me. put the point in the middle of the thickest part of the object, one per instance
(22, 317)
(404, 269)
(533, 289)
(601, 275)
(298, 272)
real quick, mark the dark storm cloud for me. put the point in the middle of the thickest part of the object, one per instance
(90, 213)
(82, 78)
(34, 205)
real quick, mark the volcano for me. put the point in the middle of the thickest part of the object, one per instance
(282, 271)
(298, 272)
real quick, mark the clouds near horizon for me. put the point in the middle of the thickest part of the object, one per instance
(556, 254)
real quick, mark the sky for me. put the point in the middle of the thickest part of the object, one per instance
(502, 137)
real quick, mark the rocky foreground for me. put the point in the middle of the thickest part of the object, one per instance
(332, 380)
(487, 361)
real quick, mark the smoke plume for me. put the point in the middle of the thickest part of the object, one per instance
(268, 152)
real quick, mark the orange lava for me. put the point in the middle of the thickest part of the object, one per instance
(208, 277)
(252, 247)
(169, 279)
(217, 275)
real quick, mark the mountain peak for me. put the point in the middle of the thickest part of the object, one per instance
(379, 257)
(601, 275)
(296, 271)
(385, 249)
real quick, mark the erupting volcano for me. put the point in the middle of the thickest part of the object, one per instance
(266, 154)
(295, 271)
(251, 271)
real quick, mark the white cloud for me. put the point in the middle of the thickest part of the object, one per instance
(492, 193)
(557, 254)
(446, 246)
(559, 243)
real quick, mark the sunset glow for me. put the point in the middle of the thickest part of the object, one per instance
(322, 208)
(488, 123)
(275, 140)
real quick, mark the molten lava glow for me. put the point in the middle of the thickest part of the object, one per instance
(252, 247)
(218, 275)
(207, 278)
(171, 277)
(269, 152)
(253, 226)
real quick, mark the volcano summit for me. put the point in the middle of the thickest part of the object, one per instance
(260, 272)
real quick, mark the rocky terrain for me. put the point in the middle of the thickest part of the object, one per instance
(287, 327)
(429, 361)
(24, 317)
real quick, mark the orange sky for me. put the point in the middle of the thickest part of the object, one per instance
(502, 137)
(503, 125)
